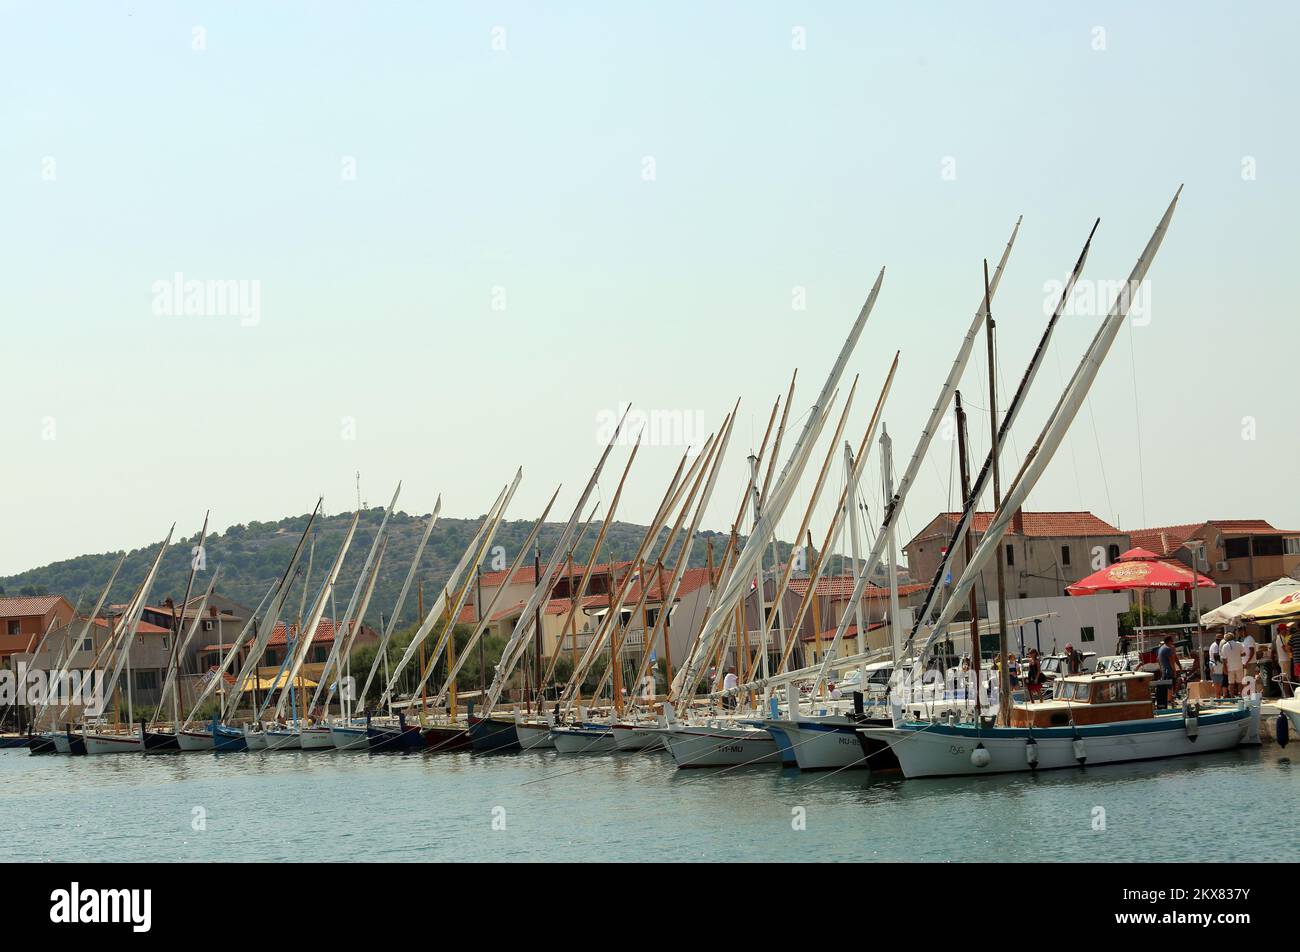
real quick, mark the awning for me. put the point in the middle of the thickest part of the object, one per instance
(1230, 613)
(277, 683)
(1286, 608)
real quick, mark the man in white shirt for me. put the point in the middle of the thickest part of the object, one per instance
(729, 683)
(1233, 654)
(1249, 656)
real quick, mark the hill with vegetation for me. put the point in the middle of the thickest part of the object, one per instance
(253, 555)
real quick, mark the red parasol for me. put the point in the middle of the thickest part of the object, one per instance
(1139, 568)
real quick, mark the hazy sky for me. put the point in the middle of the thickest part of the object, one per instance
(476, 229)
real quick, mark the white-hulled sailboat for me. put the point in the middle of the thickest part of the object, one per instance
(102, 740)
(1100, 718)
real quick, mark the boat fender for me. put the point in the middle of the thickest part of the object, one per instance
(1191, 721)
(1080, 751)
(1283, 730)
(1031, 753)
(980, 756)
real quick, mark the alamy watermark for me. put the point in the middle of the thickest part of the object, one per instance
(25, 686)
(192, 297)
(653, 427)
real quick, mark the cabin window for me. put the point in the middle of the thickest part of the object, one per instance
(1112, 691)
(1011, 555)
(1087, 633)
(1065, 555)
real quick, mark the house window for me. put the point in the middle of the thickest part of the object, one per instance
(1011, 555)
(1087, 633)
(146, 680)
(1112, 553)
(1236, 548)
(1293, 546)
(88, 644)
(1065, 555)
(15, 627)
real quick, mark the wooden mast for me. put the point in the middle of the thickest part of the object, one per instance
(1004, 692)
(963, 463)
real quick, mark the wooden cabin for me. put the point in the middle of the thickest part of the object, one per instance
(1090, 699)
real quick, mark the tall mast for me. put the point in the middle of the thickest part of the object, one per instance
(1013, 409)
(891, 548)
(1004, 701)
(969, 545)
(1049, 440)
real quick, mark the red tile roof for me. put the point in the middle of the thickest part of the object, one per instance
(1166, 540)
(324, 632)
(144, 628)
(22, 606)
(1029, 524)
(1163, 540)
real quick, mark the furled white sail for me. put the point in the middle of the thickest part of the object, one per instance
(1053, 431)
(401, 601)
(472, 554)
(308, 634)
(748, 560)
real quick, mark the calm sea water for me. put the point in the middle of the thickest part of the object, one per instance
(324, 806)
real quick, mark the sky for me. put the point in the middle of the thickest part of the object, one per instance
(465, 235)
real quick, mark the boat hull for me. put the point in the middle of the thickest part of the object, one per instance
(13, 741)
(447, 737)
(158, 742)
(63, 743)
(720, 746)
(254, 740)
(113, 744)
(637, 737)
(534, 736)
(316, 738)
(941, 750)
(784, 746)
(282, 739)
(584, 740)
(194, 741)
(488, 734)
(822, 744)
(40, 744)
(387, 738)
(344, 737)
(228, 739)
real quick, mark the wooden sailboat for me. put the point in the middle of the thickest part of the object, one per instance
(349, 734)
(101, 740)
(1099, 718)
(399, 734)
